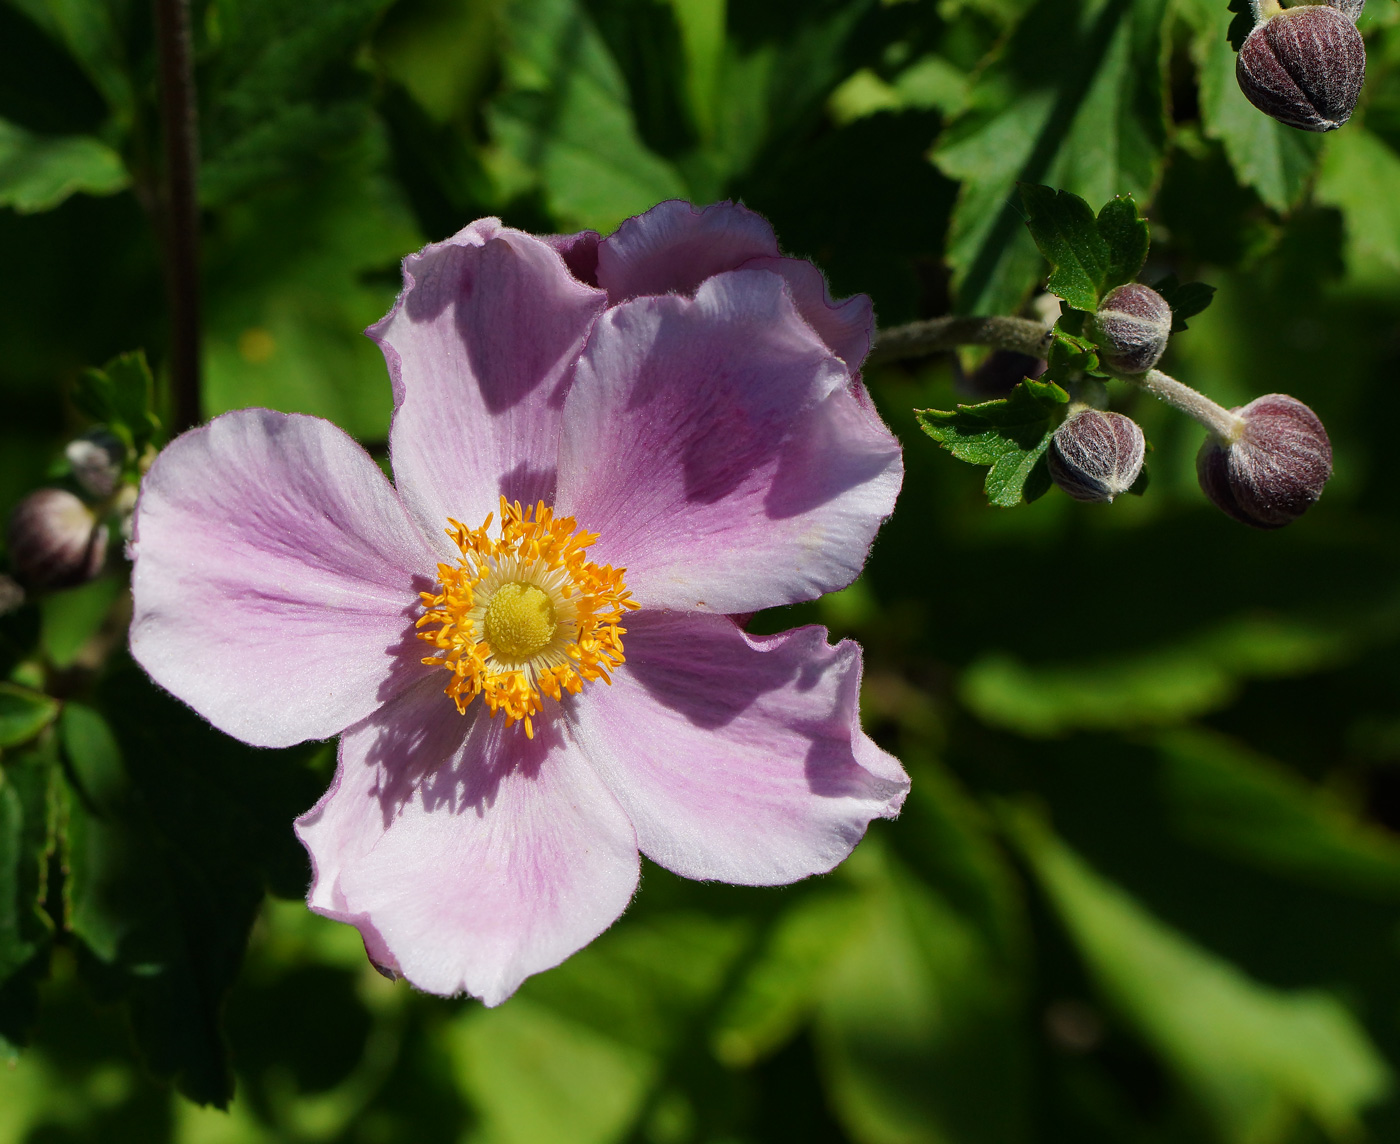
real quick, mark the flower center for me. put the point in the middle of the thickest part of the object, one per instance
(525, 614)
(519, 621)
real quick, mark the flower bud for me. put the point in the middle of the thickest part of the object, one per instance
(1275, 470)
(55, 541)
(1131, 328)
(96, 459)
(1096, 456)
(1351, 9)
(1304, 66)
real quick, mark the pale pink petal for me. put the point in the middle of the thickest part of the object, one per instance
(480, 347)
(276, 578)
(674, 247)
(468, 855)
(738, 758)
(715, 446)
(579, 252)
(845, 326)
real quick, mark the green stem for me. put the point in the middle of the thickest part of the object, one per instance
(938, 335)
(1221, 423)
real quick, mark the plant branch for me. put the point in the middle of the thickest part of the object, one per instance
(938, 335)
(181, 213)
(1220, 421)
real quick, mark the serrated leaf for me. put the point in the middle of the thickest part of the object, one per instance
(1093, 123)
(38, 172)
(1128, 237)
(1066, 233)
(1010, 435)
(23, 714)
(1187, 299)
(1256, 1058)
(1275, 160)
(1242, 24)
(27, 825)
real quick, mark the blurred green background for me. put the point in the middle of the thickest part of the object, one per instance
(1147, 885)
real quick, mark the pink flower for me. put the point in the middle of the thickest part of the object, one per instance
(674, 407)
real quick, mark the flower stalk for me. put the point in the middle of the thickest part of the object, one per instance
(181, 214)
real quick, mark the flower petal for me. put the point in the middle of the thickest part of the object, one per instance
(468, 855)
(716, 447)
(846, 326)
(275, 577)
(480, 346)
(738, 758)
(673, 247)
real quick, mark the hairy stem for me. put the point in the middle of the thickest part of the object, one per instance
(181, 214)
(937, 335)
(1220, 421)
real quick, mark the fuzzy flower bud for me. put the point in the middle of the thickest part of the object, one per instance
(1304, 66)
(1275, 470)
(1096, 456)
(55, 541)
(96, 459)
(1131, 328)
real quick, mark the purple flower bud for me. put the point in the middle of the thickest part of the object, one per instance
(1131, 328)
(1304, 66)
(97, 462)
(1273, 473)
(1351, 9)
(1096, 456)
(55, 541)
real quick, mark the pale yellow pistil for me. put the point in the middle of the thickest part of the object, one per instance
(525, 614)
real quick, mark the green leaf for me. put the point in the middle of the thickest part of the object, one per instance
(1254, 809)
(38, 172)
(919, 1025)
(23, 714)
(1088, 117)
(90, 31)
(121, 395)
(1066, 233)
(1277, 161)
(1153, 687)
(94, 757)
(69, 619)
(1009, 435)
(1187, 299)
(27, 837)
(565, 119)
(1128, 238)
(1257, 1059)
(1242, 24)
(782, 985)
(1358, 176)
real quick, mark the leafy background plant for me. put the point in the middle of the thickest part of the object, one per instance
(1147, 885)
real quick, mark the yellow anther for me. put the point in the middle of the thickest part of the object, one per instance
(524, 615)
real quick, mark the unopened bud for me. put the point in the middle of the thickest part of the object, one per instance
(1304, 66)
(1351, 9)
(11, 595)
(1096, 456)
(1131, 328)
(1275, 470)
(96, 459)
(55, 541)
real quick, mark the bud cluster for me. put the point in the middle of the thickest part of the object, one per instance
(1305, 65)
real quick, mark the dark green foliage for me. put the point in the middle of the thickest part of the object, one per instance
(1146, 885)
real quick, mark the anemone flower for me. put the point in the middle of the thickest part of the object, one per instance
(607, 453)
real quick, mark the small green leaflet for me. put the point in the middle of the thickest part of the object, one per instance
(121, 395)
(1070, 355)
(1088, 256)
(1187, 299)
(1242, 24)
(1009, 435)
(23, 714)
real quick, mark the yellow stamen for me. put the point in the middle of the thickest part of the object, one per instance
(524, 615)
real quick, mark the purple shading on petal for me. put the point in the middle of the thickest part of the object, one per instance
(738, 758)
(481, 347)
(468, 855)
(716, 447)
(846, 326)
(580, 253)
(674, 247)
(276, 577)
